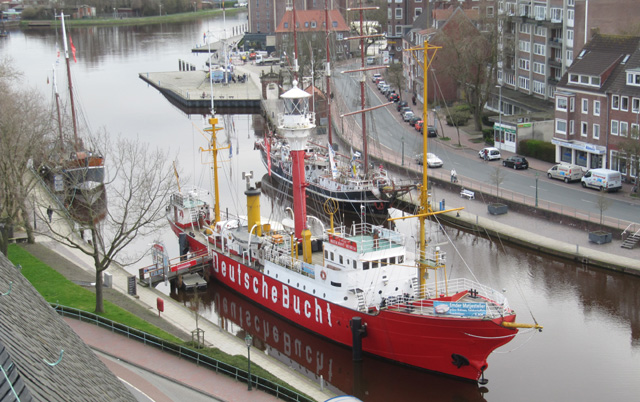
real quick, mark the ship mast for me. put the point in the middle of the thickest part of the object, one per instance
(73, 107)
(295, 41)
(328, 69)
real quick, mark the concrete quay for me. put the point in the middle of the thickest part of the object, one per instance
(192, 89)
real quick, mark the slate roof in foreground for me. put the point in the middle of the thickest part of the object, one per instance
(32, 334)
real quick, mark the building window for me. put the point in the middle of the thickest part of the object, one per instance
(540, 12)
(313, 24)
(538, 87)
(556, 15)
(539, 49)
(570, 17)
(524, 46)
(585, 129)
(523, 64)
(624, 129)
(614, 127)
(585, 106)
(633, 78)
(538, 68)
(523, 82)
(572, 127)
(572, 104)
(541, 31)
(418, 11)
(561, 103)
(596, 131)
(624, 103)
(635, 105)
(561, 126)
(489, 11)
(615, 102)
(398, 13)
(525, 28)
(596, 108)
(574, 78)
(569, 57)
(635, 131)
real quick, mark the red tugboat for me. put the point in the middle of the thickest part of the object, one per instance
(358, 285)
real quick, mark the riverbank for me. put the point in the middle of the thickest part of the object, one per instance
(165, 19)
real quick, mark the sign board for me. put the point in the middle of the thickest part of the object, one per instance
(344, 243)
(308, 269)
(131, 285)
(460, 309)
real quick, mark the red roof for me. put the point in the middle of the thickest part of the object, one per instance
(306, 19)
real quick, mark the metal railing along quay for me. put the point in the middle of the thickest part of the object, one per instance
(182, 352)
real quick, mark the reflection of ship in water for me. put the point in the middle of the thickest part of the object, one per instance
(370, 380)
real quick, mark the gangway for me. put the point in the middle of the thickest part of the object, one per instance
(176, 269)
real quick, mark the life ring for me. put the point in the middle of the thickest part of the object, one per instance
(323, 275)
(379, 206)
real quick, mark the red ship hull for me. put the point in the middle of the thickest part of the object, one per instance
(427, 342)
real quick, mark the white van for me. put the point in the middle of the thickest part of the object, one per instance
(603, 179)
(565, 172)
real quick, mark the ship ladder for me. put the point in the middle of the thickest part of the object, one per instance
(361, 303)
(416, 288)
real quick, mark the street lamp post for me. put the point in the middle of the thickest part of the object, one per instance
(499, 114)
(403, 149)
(536, 189)
(248, 340)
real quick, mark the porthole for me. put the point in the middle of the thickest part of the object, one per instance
(396, 289)
(380, 292)
(288, 280)
(304, 287)
(346, 298)
(314, 291)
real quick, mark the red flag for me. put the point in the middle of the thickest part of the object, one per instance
(73, 49)
(267, 144)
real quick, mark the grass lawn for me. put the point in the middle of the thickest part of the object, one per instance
(57, 289)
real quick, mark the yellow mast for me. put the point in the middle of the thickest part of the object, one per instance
(213, 148)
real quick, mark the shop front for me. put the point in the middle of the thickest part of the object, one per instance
(588, 156)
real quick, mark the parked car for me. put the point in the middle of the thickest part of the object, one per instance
(516, 162)
(404, 110)
(393, 97)
(491, 153)
(383, 88)
(401, 104)
(566, 172)
(431, 132)
(418, 125)
(381, 83)
(414, 120)
(375, 77)
(408, 116)
(432, 160)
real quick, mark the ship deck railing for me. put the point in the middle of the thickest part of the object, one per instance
(189, 199)
(464, 289)
(369, 237)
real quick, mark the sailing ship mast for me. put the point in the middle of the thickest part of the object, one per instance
(328, 69)
(73, 108)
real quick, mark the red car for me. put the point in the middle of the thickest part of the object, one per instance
(418, 125)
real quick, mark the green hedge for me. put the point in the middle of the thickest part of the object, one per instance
(544, 151)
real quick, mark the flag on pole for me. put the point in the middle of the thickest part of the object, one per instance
(73, 49)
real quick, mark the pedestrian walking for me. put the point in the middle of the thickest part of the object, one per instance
(486, 155)
(454, 176)
(49, 213)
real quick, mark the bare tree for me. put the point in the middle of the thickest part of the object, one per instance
(21, 141)
(496, 178)
(630, 148)
(139, 186)
(395, 77)
(602, 204)
(469, 57)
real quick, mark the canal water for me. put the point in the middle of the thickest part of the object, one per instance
(589, 349)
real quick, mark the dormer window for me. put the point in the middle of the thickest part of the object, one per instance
(633, 78)
(580, 79)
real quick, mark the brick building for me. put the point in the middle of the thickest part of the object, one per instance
(265, 15)
(597, 105)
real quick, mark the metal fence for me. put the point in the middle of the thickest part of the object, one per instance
(182, 352)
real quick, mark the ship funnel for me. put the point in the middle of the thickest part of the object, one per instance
(253, 204)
